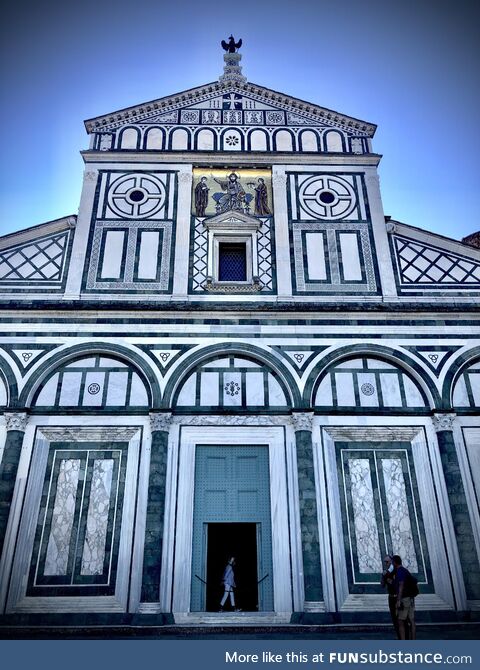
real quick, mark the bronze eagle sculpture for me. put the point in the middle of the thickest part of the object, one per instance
(231, 45)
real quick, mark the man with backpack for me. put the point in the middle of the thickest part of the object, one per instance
(406, 589)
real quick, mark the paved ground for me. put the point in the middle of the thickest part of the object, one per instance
(456, 631)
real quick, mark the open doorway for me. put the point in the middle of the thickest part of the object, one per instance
(223, 541)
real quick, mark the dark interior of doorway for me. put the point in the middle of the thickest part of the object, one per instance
(223, 541)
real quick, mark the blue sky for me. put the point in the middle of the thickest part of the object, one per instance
(409, 66)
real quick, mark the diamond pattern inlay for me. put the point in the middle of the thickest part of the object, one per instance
(38, 260)
(419, 264)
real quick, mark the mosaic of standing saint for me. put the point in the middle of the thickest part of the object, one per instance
(248, 191)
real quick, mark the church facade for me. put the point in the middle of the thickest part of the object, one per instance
(232, 351)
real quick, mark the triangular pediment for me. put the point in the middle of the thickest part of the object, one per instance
(216, 104)
(233, 220)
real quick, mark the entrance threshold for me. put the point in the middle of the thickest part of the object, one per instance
(232, 618)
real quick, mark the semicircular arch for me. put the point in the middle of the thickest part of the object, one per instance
(461, 389)
(406, 364)
(229, 349)
(70, 354)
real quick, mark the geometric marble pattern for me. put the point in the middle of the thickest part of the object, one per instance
(97, 518)
(58, 550)
(37, 260)
(398, 513)
(365, 526)
(423, 264)
(200, 254)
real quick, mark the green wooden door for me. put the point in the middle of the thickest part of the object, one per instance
(232, 485)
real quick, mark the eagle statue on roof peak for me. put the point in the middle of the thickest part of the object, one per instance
(231, 45)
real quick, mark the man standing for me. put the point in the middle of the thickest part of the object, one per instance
(388, 582)
(405, 600)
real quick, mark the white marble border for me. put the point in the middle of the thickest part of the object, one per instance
(433, 500)
(17, 554)
(286, 552)
(465, 430)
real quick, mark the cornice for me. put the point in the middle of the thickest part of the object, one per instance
(239, 158)
(310, 111)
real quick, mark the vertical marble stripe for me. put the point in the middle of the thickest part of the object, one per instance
(97, 518)
(56, 560)
(365, 523)
(398, 513)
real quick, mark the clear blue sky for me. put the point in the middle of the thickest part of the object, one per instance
(409, 66)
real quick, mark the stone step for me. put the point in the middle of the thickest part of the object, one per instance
(231, 619)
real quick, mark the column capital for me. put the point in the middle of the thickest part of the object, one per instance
(16, 420)
(443, 421)
(160, 421)
(302, 421)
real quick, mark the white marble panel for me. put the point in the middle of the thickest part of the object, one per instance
(109, 363)
(209, 389)
(351, 267)
(345, 391)
(97, 518)
(112, 254)
(58, 548)
(413, 395)
(86, 363)
(398, 513)
(324, 393)
(70, 391)
(375, 364)
(354, 363)
(391, 390)
(205, 140)
(254, 388)
(148, 254)
(460, 394)
(475, 384)
(220, 363)
(232, 389)
(367, 389)
(309, 141)
(138, 394)
(186, 397)
(275, 394)
(46, 397)
(244, 363)
(315, 256)
(472, 443)
(365, 524)
(283, 141)
(117, 388)
(3, 394)
(93, 391)
(179, 139)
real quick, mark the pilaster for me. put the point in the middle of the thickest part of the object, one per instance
(16, 423)
(152, 560)
(443, 425)
(302, 425)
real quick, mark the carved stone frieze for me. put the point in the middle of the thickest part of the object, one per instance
(443, 422)
(160, 421)
(232, 420)
(89, 434)
(302, 421)
(16, 420)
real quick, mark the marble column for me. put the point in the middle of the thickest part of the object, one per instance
(152, 558)
(443, 424)
(302, 425)
(16, 423)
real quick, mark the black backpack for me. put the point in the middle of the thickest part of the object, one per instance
(410, 589)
